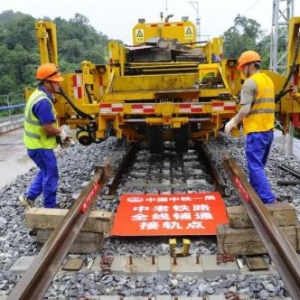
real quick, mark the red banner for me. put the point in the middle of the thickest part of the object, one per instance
(169, 214)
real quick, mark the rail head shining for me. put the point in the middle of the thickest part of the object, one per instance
(38, 277)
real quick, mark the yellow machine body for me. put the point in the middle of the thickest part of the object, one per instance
(166, 86)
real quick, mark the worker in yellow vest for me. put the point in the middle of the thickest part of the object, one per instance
(41, 133)
(258, 115)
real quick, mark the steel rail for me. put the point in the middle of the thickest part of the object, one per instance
(36, 280)
(288, 182)
(290, 170)
(283, 255)
(218, 178)
(112, 183)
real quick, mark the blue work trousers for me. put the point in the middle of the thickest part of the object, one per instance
(258, 146)
(46, 179)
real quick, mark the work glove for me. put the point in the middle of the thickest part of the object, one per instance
(229, 126)
(68, 142)
(62, 136)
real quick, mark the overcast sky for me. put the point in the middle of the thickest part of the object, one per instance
(115, 18)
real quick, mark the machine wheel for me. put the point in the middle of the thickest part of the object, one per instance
(181, 138)
(84, 137)
(155, 139)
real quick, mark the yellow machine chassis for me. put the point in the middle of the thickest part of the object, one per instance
(127, 96)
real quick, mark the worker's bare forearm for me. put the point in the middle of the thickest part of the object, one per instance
(243, 112)
(51, 129)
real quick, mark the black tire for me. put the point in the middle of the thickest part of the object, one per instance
(155, 139)
(181, 139)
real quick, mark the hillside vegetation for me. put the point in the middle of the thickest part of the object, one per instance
(78, 41)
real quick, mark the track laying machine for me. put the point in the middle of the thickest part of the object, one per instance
(167, 86)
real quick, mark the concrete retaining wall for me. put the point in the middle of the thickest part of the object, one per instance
(11, 123)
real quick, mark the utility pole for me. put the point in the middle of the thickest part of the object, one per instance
(166, 7)
(283, 11)
(195, 5)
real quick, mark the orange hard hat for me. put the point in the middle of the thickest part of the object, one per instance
(48, 71)
(248, 57)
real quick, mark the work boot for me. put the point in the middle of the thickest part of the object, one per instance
(25, 201)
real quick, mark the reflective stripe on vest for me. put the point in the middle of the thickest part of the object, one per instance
(35, 136)
(262, 113)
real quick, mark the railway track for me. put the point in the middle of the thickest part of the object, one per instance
(136, 171)
(285, 258)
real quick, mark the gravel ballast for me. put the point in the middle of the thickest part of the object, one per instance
(76, 166)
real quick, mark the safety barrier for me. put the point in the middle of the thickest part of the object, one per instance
(11, 112)
(12, 107)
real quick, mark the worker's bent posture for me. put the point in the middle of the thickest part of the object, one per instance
(258, 115)
(41, 131)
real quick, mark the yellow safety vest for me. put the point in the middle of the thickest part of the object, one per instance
(262, 113)
(35, 136)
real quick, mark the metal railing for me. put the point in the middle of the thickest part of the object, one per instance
(11, 104)
(11, 111)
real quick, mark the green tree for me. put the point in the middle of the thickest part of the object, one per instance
(23, 34)
(4, 66)
(77, 41)
(7, 85)
(246, 34)
(72, 50)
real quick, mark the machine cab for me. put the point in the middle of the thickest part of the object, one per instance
(184, 31)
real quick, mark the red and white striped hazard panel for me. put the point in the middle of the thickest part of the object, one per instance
(77, 86)
(106, 108)
(190, 107)
(140, 108)
(222, 105)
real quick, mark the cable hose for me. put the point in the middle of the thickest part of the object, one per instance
(77, 110)
(283, 92)
(82, 115)
(88, 94)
